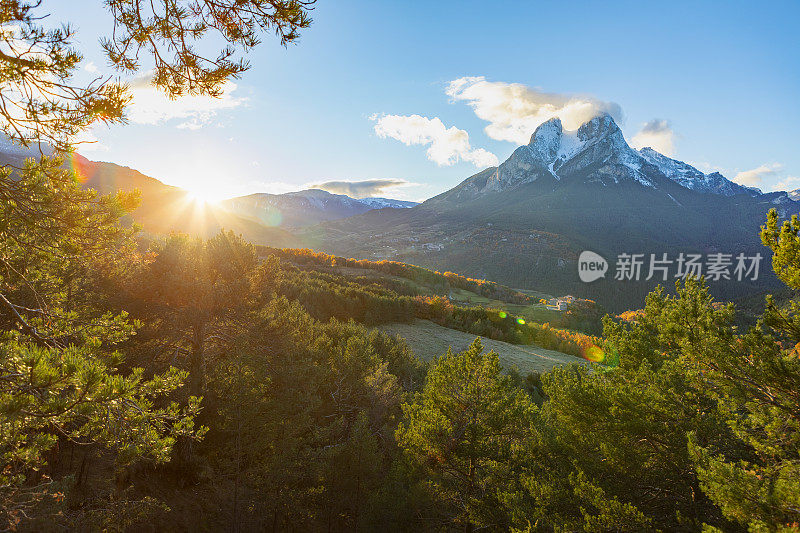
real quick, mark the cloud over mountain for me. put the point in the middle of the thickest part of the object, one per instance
(789, 183)
(658, 135)
(514, 110)
(756, 176)
(360, 189)
(446, 146)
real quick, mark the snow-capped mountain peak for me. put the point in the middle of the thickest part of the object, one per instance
(595, 153)
(598, 139)
(546, 140)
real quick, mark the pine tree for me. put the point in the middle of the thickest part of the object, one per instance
(465, 432)
(192, 293)
(60, 372)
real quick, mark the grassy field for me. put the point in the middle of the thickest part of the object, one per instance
(429, 340)
(533, 313)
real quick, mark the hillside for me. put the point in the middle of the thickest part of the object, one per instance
(523, 223)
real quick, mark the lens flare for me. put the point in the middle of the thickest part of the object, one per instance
(594, 354)
(521, 321)
(502, 314)
(78, 165)
(270, 217)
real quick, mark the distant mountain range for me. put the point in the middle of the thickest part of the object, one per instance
(522, 223)
(306, 208)
(262, 218)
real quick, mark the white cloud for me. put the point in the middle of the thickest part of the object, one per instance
(362, 189)
(658, 135)
(152, 106)
(789, 183)
(754, 177)
(514, 110)
(446, 146)
(91, 67)
(707, 167)
(194, 124)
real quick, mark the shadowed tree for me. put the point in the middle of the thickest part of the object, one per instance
(758, 384)
(59, 376)
(192, 293)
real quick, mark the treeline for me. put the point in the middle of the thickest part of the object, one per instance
(327, 296)
(430, 278)
(582, 315)
(694, 429)
(500, 325)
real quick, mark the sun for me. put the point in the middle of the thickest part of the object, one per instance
(202, 196)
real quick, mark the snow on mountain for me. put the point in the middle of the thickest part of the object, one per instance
(691, 178)
(554, 153)
(380, 203)
(322, 199)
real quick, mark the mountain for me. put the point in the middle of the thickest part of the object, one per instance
(261, 218)
(525, 222)
(164, 208)
(691, 178)
(305, 208)
(595, 153)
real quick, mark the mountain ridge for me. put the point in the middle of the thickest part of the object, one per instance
(553, 151)
(522, 223)
(165, 208)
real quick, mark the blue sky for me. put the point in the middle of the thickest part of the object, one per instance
(718, 82)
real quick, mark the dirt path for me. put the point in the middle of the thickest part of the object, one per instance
(428, 340)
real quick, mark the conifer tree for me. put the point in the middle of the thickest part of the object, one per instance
(192, 293)
(465, 432)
